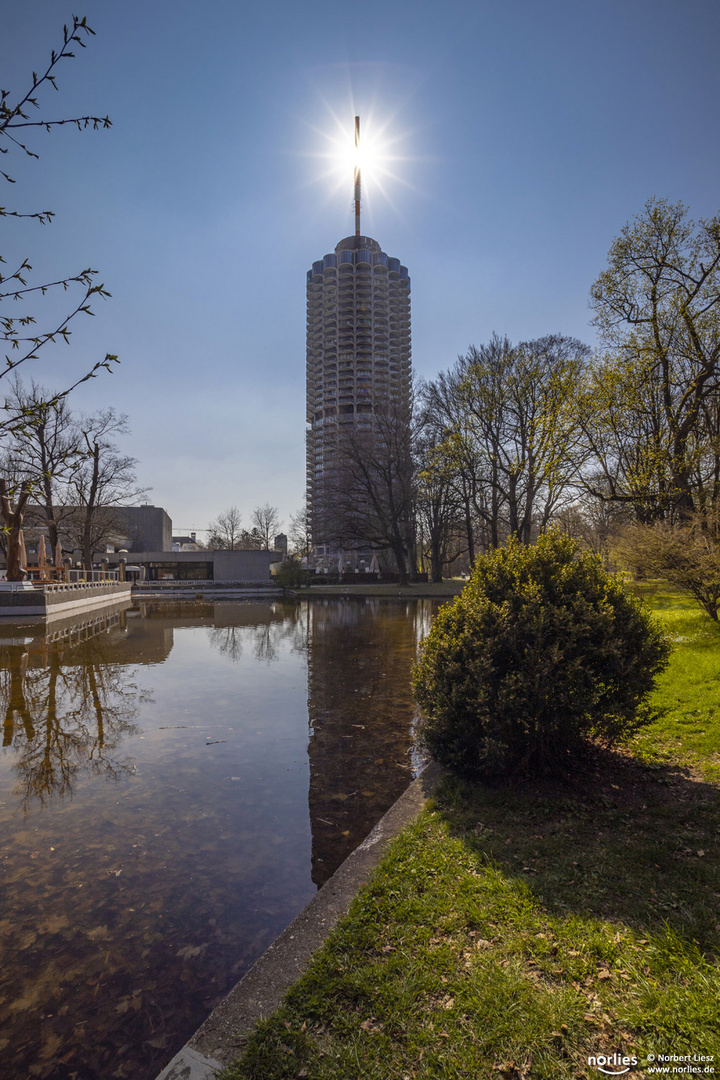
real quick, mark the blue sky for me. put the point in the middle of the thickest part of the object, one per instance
(520, 137)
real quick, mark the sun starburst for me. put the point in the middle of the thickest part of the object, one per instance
(375, 157)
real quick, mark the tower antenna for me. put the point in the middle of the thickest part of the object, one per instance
(357, 176)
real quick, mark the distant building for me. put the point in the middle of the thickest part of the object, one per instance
(130, 528)
(186, 543)
(148, 528)
(241, 565)
(143, 540)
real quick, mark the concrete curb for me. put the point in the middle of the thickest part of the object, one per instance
(220, 1040)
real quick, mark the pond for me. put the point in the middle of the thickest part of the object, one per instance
(176, 781)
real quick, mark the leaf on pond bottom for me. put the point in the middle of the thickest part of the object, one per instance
(190, 951)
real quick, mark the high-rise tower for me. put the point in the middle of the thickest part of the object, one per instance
(358, 355)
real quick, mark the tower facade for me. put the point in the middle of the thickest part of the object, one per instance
(358, 359)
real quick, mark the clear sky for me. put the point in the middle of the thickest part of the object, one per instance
(519, 138)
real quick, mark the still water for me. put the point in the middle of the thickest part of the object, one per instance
(176, 781)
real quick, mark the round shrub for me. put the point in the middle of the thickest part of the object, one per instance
(542, 653)
(290, 574)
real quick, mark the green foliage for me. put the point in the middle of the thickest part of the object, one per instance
(687, 556)
(542, 653)
(290, 574)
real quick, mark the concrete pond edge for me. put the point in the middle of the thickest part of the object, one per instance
(220, 1039)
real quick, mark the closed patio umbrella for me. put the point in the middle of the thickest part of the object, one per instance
(23, 552)
(42, 557)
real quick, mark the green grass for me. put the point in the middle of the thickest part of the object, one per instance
(687, 694)
(513, 931)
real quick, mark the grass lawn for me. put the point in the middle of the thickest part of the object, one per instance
(688, 692)
(515, 931)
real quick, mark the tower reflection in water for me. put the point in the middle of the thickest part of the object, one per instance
(361, 718)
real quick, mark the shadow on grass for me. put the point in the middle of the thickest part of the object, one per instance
(626, 842)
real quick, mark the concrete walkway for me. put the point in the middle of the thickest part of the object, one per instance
(221, 1038)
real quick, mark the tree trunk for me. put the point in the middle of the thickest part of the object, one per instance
(90, 507)
(436, 554)
(12, 520)
(398, 551)
(87, 546)
(469, 531)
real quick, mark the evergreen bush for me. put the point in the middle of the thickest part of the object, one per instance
(543, 653)
(290, 574)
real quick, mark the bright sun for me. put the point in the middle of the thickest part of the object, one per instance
(344, 157)
(375, 155)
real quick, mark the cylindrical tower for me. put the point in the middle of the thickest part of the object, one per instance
(358, 358)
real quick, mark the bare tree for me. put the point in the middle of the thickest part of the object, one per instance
(651, 416)
(26, 334)
(509, 438)
(300, 534)
(456, 452)
(522, 420)
(251, 538)
(373, 504)
(266, 524)
(439, 507)
(225, 534)
(44, 450)
(21, 334)
(104, 481)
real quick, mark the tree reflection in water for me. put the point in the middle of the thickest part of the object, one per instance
(64, 717)
(267, 626)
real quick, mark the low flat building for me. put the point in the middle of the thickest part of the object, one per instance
(244, 565)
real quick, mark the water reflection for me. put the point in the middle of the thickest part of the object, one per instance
(130, 907)
(360, 712)
(271, 626)
(63, 717)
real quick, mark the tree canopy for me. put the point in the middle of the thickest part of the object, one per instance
(651, 414)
